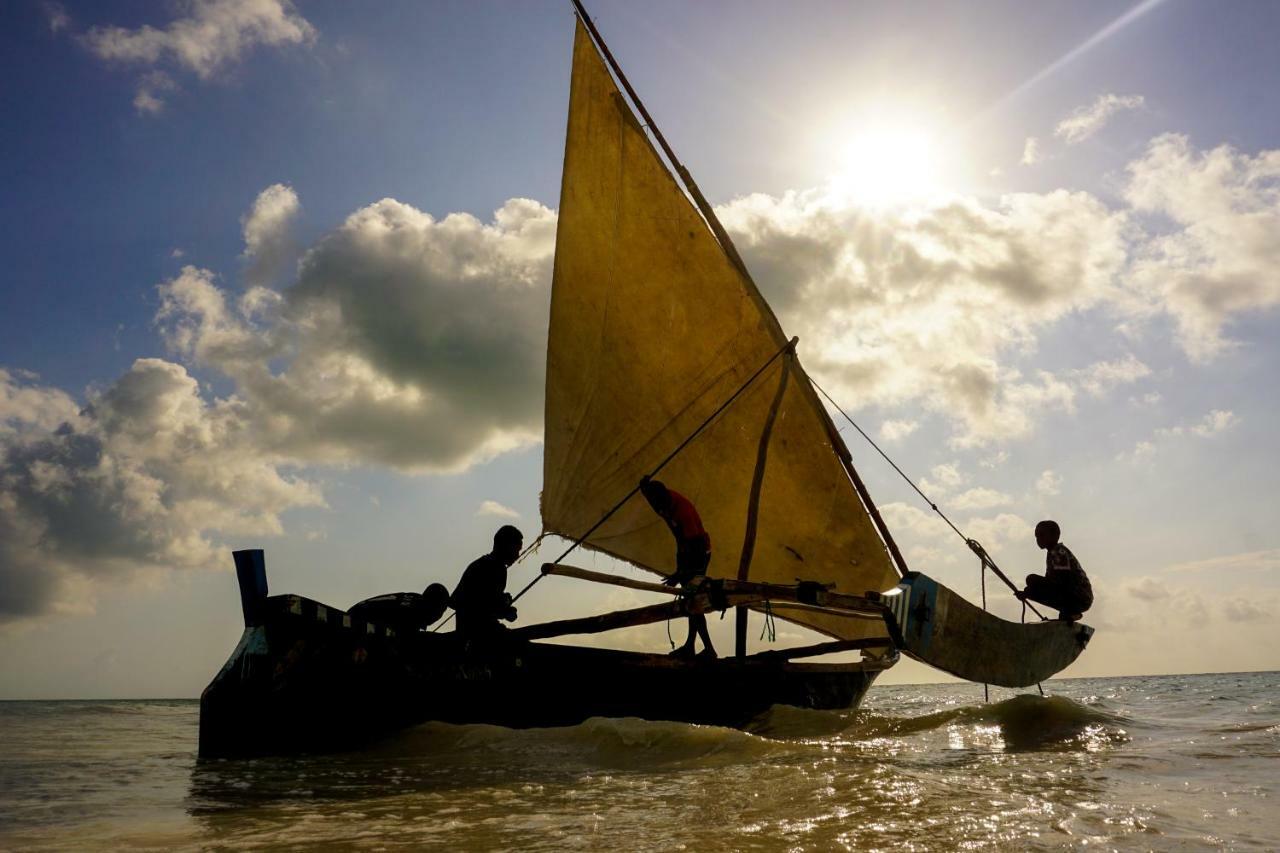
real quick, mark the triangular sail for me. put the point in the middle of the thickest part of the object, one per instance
(652, 329)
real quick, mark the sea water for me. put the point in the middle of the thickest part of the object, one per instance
(1183, 762)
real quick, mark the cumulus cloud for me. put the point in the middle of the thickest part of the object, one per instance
(927, 305)
(1085, 121)
(57, 16)
(897, 430)
(405, 340)
(1232, 565)
(268, 234)
(1031, 153)
(212, 36)
(1212, 424)
(1239, 609)
(942, 479)
(146, 475)
(1101, 377)
(979, 498)
(1221, 258)
(1049, 483)
(497, 510)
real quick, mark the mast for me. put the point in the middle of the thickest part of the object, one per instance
(731, 251)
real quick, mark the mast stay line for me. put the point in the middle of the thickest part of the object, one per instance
(973, 544)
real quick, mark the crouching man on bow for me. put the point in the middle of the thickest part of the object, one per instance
(1064, 585)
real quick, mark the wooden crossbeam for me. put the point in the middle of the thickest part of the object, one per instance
(809, 595)
(824, 649)
(636, 616)
(602, 577)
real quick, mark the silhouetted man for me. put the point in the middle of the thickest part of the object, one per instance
(1064, 586)
(481, 597)
(693, 553)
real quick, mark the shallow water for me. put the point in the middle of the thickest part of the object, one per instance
(1167, 762)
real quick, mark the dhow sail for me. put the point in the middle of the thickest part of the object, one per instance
(652, 329)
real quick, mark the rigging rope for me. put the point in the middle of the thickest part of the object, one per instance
(974, 545)
(982, 576)
(789, 346)
(770, 626)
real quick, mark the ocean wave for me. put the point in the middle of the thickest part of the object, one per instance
(625, 742)
(1025, 722)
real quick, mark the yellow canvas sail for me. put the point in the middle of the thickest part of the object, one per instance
(652, 329)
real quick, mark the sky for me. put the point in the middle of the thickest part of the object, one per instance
(276, 275)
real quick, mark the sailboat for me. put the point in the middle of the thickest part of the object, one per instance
(663, 359)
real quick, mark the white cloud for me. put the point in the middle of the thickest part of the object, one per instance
(1151, 398)
(1031, 154)
(995, 460)
(1232, 565)
(1101, 377)
(1049, 483)
(978, 499)
(1239, 609)
(929, 305)
(405, 340)
(148, 475)
(1222, 259)
(1215, 422)
(497, 510)
(57, 16)
(895, 430)
(214, 35)
(1212, 424)
(1084, 122)
(268, 234)
(152, 88)
(942, 479)
(1002, 529)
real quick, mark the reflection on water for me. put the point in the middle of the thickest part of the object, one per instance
(1109, 761)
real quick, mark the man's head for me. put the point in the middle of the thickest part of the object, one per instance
(508, 542)
(1047, 533)
(656, 494)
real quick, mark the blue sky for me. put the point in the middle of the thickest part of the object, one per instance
(1082, 326)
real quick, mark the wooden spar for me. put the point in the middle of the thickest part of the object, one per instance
(804, 594)
(700, 603)
(602, 577)
(830, 611)
(824, 649)
(753, 505)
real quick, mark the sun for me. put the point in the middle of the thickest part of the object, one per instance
(886, 164)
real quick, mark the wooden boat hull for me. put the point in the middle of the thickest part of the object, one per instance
(934, 625)
(310, 678)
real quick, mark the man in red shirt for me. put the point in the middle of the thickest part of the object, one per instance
(693, 553)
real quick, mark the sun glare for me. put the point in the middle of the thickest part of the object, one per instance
(886, 165)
